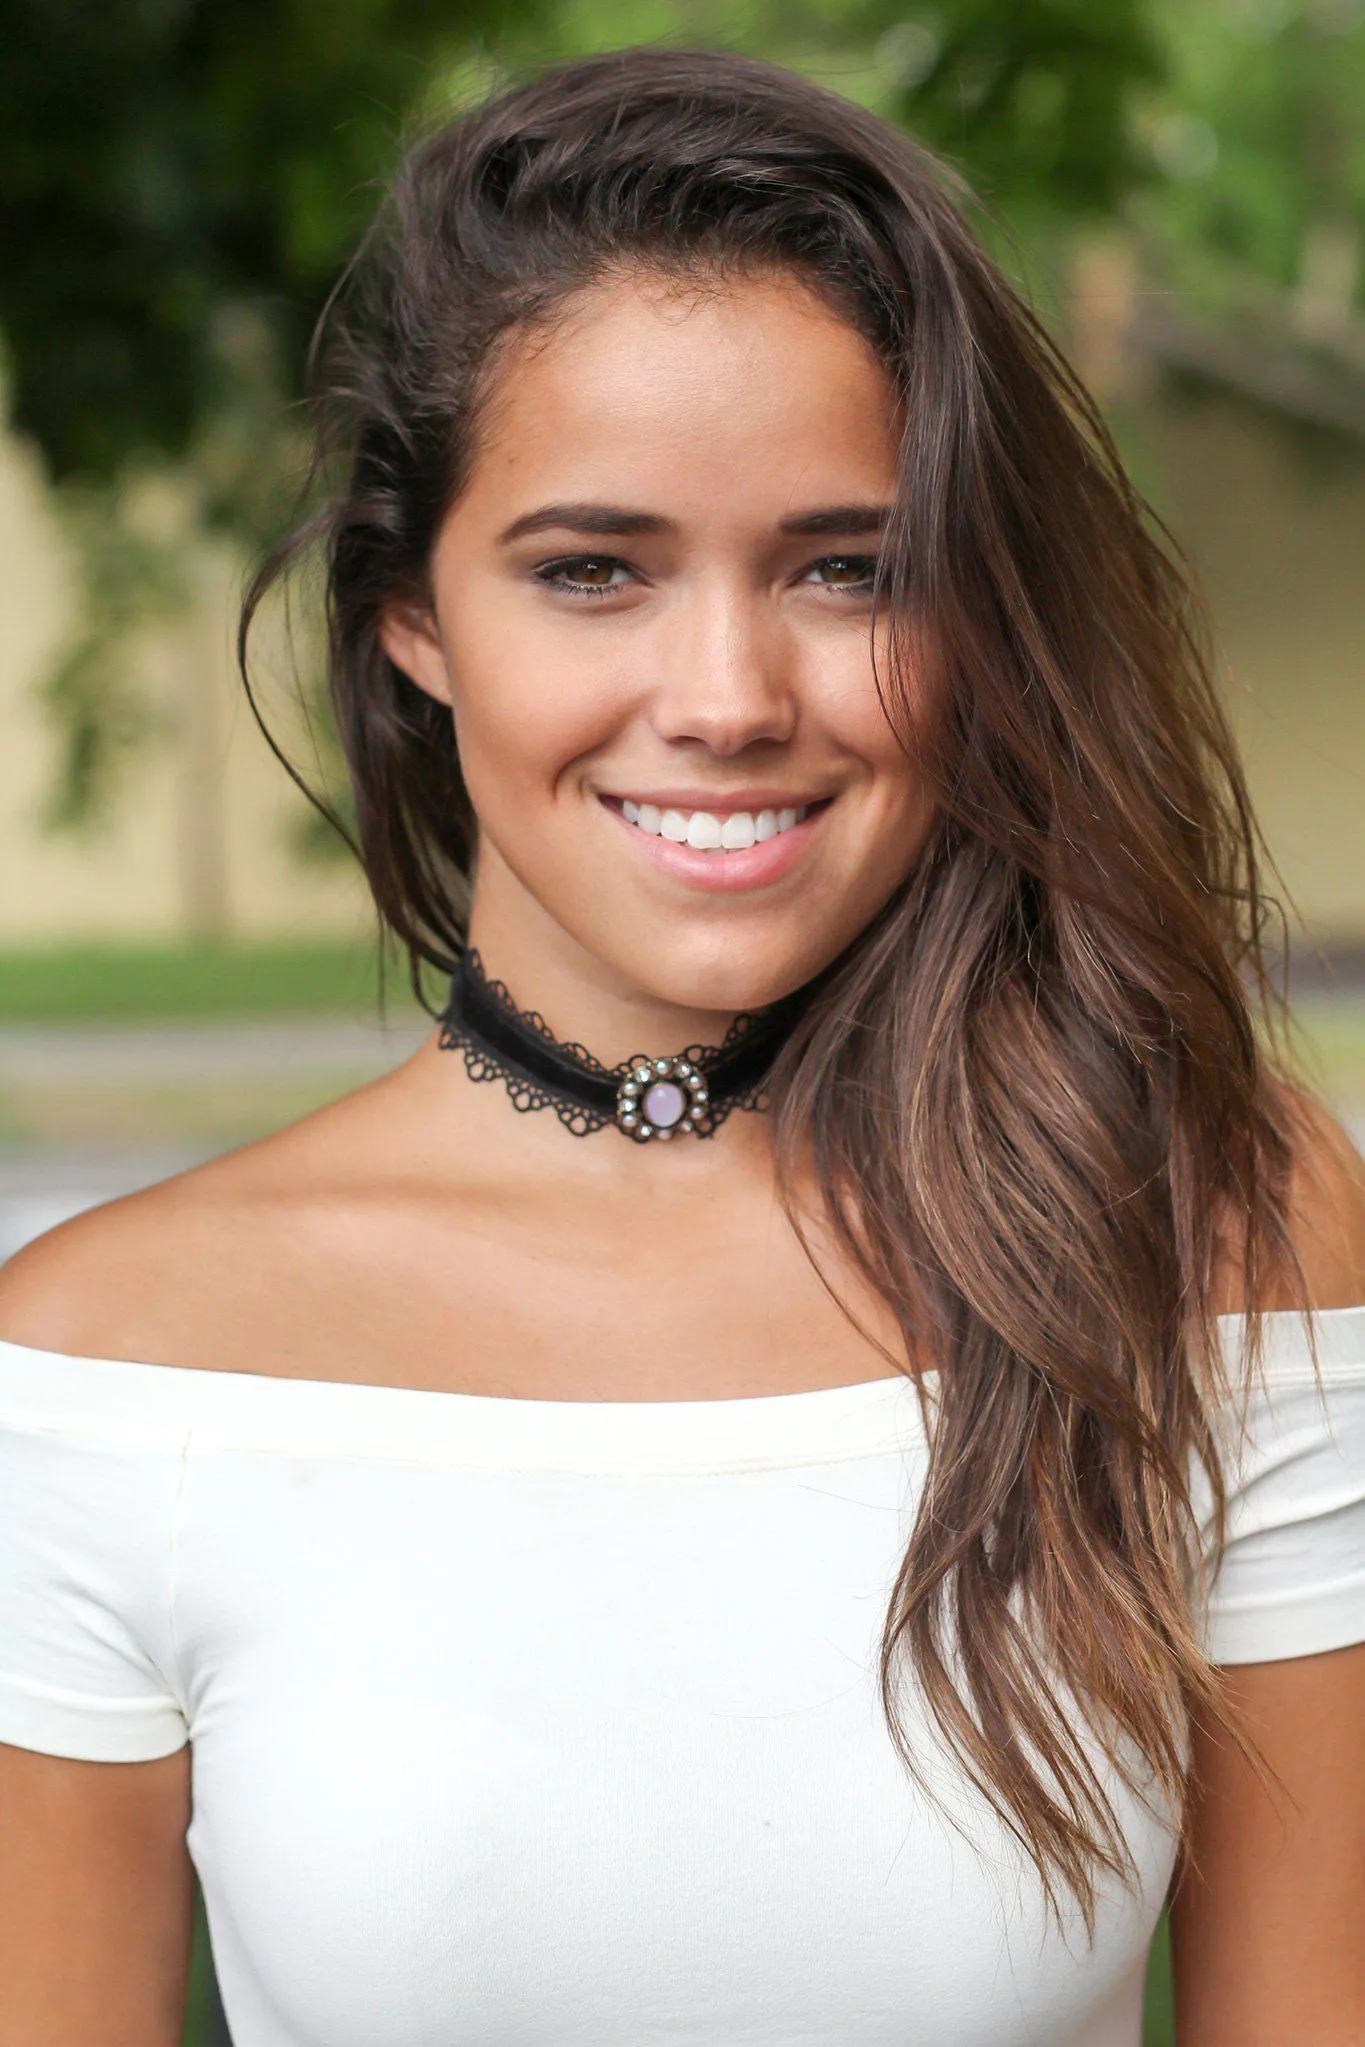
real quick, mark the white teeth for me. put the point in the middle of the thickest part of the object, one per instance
(703, 831)
(709, 831)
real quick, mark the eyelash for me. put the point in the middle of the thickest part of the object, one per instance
(555, 576)
(866, 562)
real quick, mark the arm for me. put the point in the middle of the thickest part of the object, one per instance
(1267, 1918)
(96, 1901)
(96, 1884)
(1267, 1921)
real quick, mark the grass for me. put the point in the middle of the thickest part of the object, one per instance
(199, 2027)
(123, 984)
(1158, 2024)
(116, 984)
(129, 986)
(122, 988)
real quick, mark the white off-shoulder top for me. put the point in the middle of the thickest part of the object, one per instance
(522, 1723)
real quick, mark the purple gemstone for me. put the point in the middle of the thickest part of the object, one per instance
(665, 1104)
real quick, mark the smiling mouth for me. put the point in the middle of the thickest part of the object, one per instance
(713, 831)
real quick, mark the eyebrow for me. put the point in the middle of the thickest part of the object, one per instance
(839, 519)
(600, 520)
(615, 521)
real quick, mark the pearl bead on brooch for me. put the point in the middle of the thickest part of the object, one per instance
(660, 1097)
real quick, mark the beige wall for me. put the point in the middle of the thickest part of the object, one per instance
(1276, 527)
(201, 835)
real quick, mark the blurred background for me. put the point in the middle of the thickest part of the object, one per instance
(186, 956)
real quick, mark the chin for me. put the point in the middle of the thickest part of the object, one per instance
(729, 975)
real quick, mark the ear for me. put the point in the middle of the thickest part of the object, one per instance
(409, 636)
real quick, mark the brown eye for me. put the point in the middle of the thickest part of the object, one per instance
(587, 574)
(846, 571)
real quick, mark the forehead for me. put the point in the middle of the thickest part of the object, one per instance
(747, 392)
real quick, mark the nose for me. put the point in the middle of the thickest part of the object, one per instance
(725, 676)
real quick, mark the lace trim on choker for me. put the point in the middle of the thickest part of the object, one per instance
(580, 1117)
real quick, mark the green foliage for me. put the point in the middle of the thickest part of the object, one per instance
(164, 161)
(183, 180)
(1029, 96)
(1260, 140)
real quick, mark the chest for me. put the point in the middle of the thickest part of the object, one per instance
(560, 1756)
(571, 1298)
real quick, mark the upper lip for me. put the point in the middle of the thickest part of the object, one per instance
(719, 804)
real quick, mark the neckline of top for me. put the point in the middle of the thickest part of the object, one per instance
(261, 1411)
(264, 1411)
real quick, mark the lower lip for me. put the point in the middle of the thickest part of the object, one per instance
(750, 867)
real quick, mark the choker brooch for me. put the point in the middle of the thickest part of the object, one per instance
(644, 1097)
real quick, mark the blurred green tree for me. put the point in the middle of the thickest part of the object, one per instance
(183, 179)
(1229, 138)
(1260, 142)
(1032, 97)
(181, 182)
(165, 164)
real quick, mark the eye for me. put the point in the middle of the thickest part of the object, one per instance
(853, 572)
(584, 575)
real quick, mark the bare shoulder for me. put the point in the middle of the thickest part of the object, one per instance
(90, 1287)
(1327, 1206)
(121, 1280)
(173, 1274)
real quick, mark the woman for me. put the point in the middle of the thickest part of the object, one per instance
(688, 1512)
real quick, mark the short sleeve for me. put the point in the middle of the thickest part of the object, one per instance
(86, 1549)
(1291, 1579)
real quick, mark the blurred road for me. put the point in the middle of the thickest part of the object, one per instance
(40, 1189)
(105, 1083)
(270, 1065)
(33, 1056)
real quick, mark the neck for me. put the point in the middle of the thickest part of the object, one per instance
(583, 999)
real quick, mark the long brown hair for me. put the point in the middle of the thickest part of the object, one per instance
(1033, 1087)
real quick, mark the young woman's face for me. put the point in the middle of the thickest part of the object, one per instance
(652, 621)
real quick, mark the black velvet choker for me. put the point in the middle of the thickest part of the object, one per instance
(645, 1097)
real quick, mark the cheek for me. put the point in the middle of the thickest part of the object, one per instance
(856, 721)
(528, 701)
(894, 823)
